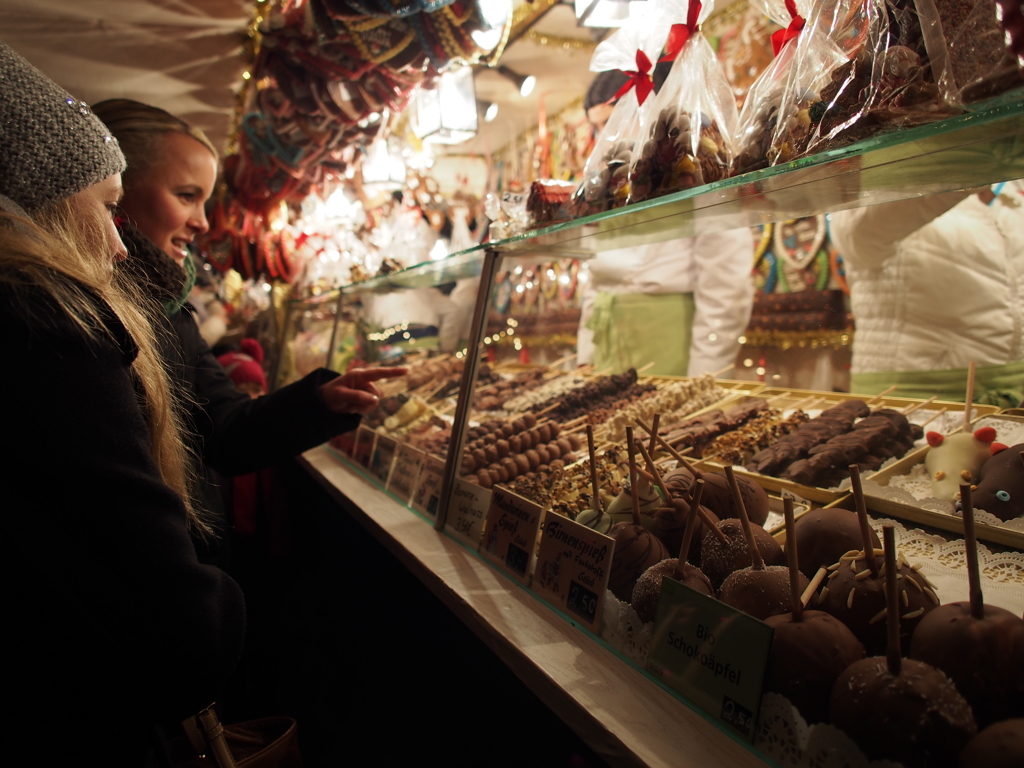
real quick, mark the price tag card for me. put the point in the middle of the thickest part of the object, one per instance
(466, 512)
(712, 654)
(381, 458)
(405, 471)
(510, 533)
(363, 448)
(427, 493)
(573, 566)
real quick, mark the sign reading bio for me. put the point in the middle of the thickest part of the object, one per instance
(712, 654)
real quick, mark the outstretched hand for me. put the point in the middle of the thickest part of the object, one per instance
(354, 392)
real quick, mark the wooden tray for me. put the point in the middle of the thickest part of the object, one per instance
(786, 398)
(926, 516)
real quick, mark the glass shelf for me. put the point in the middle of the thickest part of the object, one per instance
(972, 150)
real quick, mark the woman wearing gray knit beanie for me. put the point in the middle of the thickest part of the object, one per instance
(114, 624)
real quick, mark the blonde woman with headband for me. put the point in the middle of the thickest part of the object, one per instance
(172, 169)
(111, 624)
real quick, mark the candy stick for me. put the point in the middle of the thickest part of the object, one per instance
(773, 398)
(969, 397)
(548, 409)
(915, 406)
(934, 417)
(596, 501)
(893, 606)
(862, 518)
(719, 372)
(691, 527)
(653, 431)
(677, 455)
(644, 368)
(757, 562)
(971, 545)
(561, 360)
(880, 395)
(792, 556)
(634, 478)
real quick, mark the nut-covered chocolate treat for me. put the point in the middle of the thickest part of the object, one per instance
(998, 746)
(636, 550)
(759, 593)
(718, 559)
(647, 590)
(825, 535)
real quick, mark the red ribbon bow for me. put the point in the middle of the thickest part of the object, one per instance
(783, 36)
(680, 33)
(639, 78)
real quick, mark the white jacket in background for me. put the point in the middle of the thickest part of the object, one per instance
(936, 282)
(715, 268)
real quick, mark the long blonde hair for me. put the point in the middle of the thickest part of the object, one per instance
(64, 253)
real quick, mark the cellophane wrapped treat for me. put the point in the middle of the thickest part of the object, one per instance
(775, 117)
(885, 84)
(688, 127)
(632, 49)
(968, 49)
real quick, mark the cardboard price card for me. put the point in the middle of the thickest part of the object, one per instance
(712, 654)
(381, 458)
(510, 533)
(573, 566)
(466, 511)
(405, 471)
(363, 448)
(427, 492)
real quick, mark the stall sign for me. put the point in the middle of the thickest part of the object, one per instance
(573, 565)
(363, 448)
(427, 491)
(405, 471)
(466, 511)
(714, 655)
(382, 457)
(510, 533)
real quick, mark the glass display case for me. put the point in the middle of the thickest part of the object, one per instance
(498, 428)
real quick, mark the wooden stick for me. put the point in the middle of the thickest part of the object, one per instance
(634, 478)
(691, 526)
(934, 417)
(577, 420)
(646, 367)
(653, 432)
(651, 469)
(971, 545)
(773, 398)
(880, 395)
(548, 409)
(720, 371)
(862, 518)
(793, 557)
(915, 406)
(561, 360)
(596, 503)
(575, 429)
(757, 562)
(969, 397)
(819, 577)
(892, 654)
(677, 455)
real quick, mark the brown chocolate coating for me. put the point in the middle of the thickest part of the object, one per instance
(533, 458)
(917, 718)
(761, 593)
(483, 478)
(998, 746)
(529, 420)
(542, 452)
(865, 613)
(647, 590)
(718, 496)
(636, 550)
(983, 657)
(515, 444)
(522, 463)
(502, 447)
(574, 442)
(718, 560)
(1000, 490)
(825, 535)
(806, 659)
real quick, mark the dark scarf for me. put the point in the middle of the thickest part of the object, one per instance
(156, 273)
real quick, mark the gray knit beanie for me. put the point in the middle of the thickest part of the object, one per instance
(51, 144)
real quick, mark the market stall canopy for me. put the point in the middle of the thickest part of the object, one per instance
(182, 55)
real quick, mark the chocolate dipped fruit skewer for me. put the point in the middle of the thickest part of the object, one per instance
(810, 649)
(759, 590)
(980, 647)
(855, 589)
(636, 548)
(998, 746)
(898, 708)
(647, 591)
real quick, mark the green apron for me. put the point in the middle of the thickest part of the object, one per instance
(1000, 385)
(634, 329)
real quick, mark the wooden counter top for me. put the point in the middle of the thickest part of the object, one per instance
(623, 716)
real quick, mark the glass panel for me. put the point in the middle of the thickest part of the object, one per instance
(309, 328)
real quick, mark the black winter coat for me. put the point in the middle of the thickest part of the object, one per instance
(234, 434)
(110, 623)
